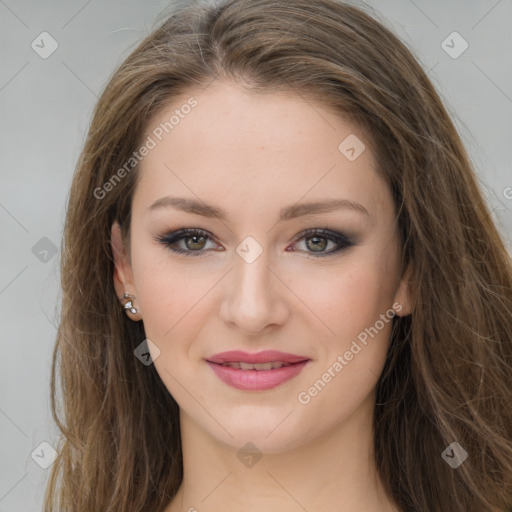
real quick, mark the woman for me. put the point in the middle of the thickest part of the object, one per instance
(282, 287)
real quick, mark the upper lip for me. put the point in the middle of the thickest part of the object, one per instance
(266, 356)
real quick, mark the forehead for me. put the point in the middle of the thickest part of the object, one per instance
(226, 145)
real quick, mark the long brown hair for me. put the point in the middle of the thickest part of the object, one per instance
(448, 374)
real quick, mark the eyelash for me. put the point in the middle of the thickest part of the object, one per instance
(173, 237)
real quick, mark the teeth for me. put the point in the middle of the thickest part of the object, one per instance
(272, 365)
(232, 365)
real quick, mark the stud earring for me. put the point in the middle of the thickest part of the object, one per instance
(129, 304)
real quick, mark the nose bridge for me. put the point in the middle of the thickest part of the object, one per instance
(252, 301)
(251, 276)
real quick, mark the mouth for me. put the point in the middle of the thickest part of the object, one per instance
(256, 372)
(272, 365)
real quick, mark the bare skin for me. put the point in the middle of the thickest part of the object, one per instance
(253, 155)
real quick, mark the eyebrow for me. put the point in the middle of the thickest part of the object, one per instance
(190, 205)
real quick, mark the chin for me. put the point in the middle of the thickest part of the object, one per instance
(269, 437)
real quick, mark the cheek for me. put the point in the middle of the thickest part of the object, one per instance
(171, 296)
(349, 298)
(353, 304)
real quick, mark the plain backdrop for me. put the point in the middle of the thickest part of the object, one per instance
(46, 103)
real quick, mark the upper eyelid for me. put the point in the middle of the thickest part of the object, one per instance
(184, 232)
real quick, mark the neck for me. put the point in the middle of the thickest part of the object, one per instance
(333, 472)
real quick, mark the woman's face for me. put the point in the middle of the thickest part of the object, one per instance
(251, 173)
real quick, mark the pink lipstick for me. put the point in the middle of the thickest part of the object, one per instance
(258, 371)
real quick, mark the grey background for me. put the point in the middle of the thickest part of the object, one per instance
(45, 108)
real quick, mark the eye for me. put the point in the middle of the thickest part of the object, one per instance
(194, 241)
(197, 237)
(317, 240)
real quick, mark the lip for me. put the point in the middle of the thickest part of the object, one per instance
(265, 356)
(256, 380)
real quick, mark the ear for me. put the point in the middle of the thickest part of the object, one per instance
(404, 302)
(123, 276)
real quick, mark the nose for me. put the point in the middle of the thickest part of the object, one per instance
(254, 298)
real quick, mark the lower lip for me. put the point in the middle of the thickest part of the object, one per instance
(256, 380)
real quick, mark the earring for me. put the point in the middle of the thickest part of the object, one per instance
(129, 304)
